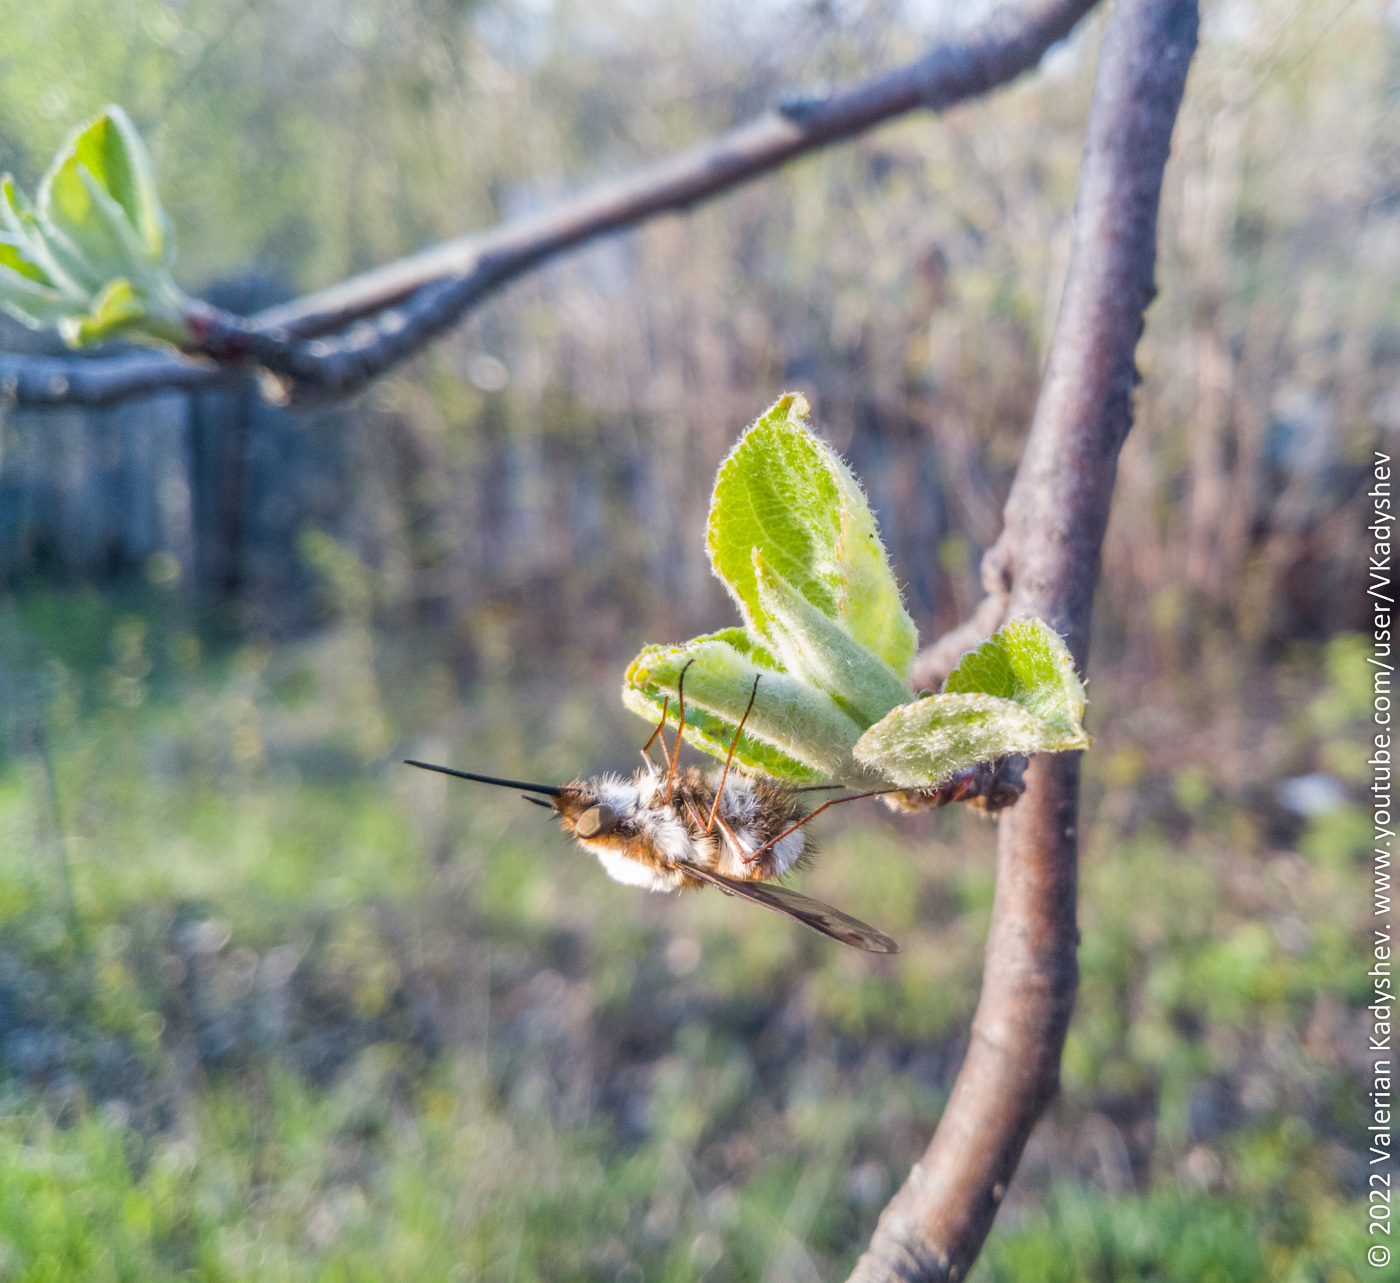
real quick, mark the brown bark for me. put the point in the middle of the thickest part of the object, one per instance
(1046, 563)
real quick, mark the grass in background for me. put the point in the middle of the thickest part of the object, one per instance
(272, 1006)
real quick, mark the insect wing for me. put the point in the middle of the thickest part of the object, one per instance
(812, 913)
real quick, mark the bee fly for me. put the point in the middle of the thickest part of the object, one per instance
(678, 828)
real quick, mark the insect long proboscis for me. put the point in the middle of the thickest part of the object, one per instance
(549, 790)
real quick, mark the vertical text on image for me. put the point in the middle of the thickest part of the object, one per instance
(1379, 1050)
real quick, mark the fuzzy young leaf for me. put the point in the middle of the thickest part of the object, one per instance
(13, 257)
(785, 492)
(115, 311)
(16, 213)
(28, 296)
(1015, 693)
(795, 731)
(91, 259)
(105, 158)
(814, 648)
(26, 291)
(1026, 662)
(21, 228)
(921, 744)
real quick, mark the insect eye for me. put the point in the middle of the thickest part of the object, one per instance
(596, 821)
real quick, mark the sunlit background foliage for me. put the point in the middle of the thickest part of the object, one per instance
(271, 1007)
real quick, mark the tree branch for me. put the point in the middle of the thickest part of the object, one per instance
(1048, 560)
(417, 298)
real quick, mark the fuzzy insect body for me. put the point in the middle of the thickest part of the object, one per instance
(644, 840)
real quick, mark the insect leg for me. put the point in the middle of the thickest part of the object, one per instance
(661, 726)
(792, 828)
(697, 820)
(734, 841)
(680, 730)
(733, 744)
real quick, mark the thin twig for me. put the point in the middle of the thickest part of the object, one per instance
(417, 298)
(1048, 554)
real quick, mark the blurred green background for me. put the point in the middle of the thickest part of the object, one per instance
(272, 1006)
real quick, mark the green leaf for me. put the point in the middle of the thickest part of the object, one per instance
(21, 226)
(106, 156)
(1015, 693)
(921, 744)
(12, 256)
(114, 217)
(15, 209)
(115, 311)
(25, 296)
(91, 260)
(814, 648)
(785, 492)
(795, 731)
(743, 642)
(1027, 662)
